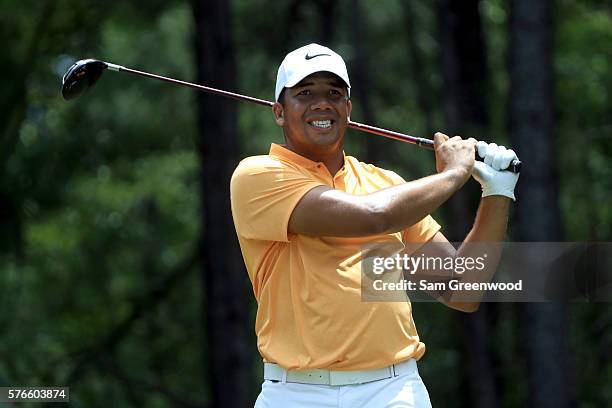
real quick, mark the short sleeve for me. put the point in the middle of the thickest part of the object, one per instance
(263, 193)
(423, 230)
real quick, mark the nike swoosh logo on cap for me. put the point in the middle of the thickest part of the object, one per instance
(309, 57)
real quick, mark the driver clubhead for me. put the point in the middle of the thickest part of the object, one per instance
(81, 76)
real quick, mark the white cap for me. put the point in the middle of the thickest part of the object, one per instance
(311, 58)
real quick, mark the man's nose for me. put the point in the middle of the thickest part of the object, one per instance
(321, 102)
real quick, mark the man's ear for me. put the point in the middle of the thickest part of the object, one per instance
(277, 109)
(349, 105)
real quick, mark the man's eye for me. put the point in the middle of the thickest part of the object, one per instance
(334, 92)
(304, 92)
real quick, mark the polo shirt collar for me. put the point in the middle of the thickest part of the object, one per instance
(284, 153)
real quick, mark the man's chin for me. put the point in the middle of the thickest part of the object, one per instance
(325, 139)
(329, 142)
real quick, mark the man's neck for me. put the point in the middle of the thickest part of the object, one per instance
(332, 158)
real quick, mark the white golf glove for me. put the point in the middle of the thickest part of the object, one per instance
(490, 174)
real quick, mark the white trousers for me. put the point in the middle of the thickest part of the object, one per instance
(404, 391)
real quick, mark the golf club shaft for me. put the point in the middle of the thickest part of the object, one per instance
(514, 167)
(192, 85)
(419, 141)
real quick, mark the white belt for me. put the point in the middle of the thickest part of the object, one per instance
(326, 377)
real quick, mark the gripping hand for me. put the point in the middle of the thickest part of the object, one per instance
(490, 174)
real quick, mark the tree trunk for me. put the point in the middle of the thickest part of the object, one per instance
(425, 92)
(531, 125)
(327, 15)
(463, 62)
(297, 17)
(361, 78)
(223, 276)
(479, 375)
(464, 68)
(13, 107)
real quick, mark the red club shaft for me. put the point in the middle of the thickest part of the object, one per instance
(419, 141)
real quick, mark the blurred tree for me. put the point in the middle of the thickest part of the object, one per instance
(464, 69)
(360, 75)
(300, 11)
(327, 10)
(224, 279)
(97, 269)
(531, 126)
(584, 147)
(19, 62)
(425, 91)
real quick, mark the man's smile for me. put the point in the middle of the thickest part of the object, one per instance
(322, 124)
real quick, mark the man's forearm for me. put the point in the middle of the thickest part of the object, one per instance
(491, 220)
(485, 237)
(404, 205)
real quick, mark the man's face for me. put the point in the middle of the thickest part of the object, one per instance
(314, 112)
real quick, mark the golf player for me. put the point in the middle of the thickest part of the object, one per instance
(303, 214)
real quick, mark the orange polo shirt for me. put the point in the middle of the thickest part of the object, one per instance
(310, 313)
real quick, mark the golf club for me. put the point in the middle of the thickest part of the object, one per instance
(83, 74)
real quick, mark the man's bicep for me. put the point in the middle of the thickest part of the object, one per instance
(324, 211)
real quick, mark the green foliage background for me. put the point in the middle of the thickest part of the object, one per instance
(105, 188)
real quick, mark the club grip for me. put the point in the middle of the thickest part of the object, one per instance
(514, 167)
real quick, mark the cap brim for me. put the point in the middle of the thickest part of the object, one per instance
(298, 76)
